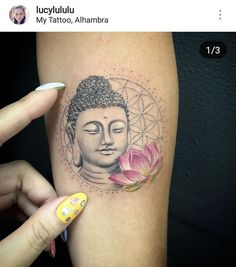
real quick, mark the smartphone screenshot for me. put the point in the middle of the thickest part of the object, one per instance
(117, 133)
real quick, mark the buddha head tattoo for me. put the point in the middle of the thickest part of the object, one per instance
(108, 146)
(97, 128)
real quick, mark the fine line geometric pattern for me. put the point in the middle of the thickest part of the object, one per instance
(145, 116)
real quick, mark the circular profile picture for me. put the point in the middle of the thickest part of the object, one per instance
(18, 14)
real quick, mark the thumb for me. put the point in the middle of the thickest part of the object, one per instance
(28, 241)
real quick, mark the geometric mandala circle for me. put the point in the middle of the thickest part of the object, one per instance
(145, 116)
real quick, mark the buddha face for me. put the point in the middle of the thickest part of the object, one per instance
(101, 136)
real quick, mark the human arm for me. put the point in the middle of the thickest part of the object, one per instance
(118, 228)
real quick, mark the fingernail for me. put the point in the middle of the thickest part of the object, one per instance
(71, 207)
(52, 249)
(47, 86)
(64, 235)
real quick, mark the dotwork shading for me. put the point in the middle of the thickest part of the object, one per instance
(112, 133)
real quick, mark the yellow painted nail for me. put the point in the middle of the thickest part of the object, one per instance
(71, 207)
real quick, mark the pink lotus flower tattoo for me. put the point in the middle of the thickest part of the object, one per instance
(138, 167)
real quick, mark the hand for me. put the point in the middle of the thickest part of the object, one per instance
(22, 185)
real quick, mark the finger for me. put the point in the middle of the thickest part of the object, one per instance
(15, 117)
(26, 205)
(21, 184)
(28, 241)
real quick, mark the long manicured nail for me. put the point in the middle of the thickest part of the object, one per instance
(71, 207)
(47, 86)
(52, 249)
(64, 235)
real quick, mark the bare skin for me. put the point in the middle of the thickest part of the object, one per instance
(118, 227)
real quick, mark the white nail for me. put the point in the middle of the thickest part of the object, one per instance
(47, 86)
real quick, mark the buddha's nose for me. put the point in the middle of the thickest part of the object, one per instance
(107, 139)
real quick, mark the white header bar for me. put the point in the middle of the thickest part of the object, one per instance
(121, 15)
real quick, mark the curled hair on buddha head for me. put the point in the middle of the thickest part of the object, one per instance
(94, 92)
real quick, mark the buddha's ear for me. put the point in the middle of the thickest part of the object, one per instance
(70, 133)
(74, 145)
(128, 125)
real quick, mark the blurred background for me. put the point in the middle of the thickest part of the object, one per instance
(202, 211)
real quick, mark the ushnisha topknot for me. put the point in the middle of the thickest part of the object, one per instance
(94, 92)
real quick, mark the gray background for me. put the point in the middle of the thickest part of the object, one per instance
(202, 212)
